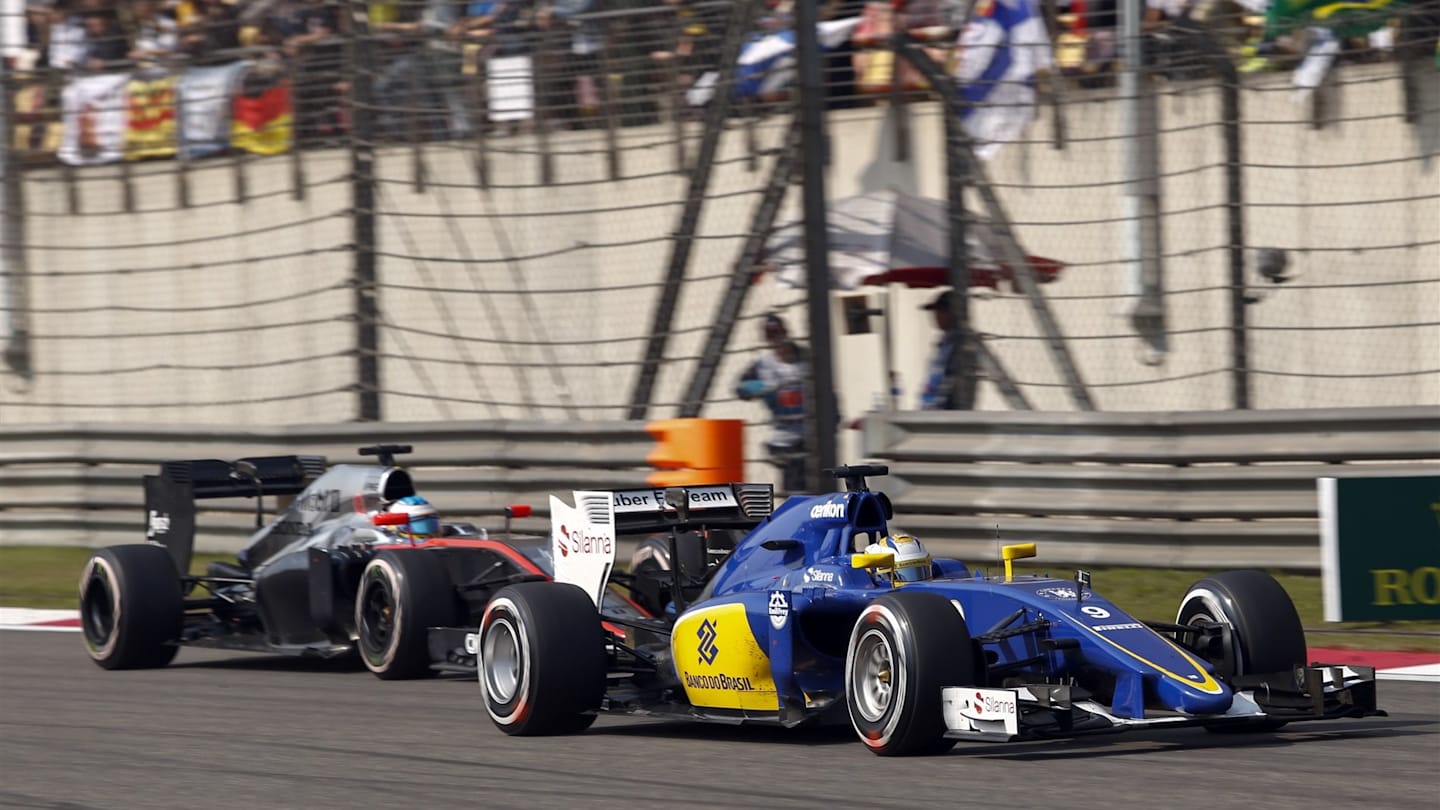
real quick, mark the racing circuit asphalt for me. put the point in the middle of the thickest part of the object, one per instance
(225, 730)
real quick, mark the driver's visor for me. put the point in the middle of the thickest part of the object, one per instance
(914, 570)
(424, 527)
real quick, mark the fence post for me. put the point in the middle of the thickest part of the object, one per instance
(964, 358)
(606, 91)
(822, 407)
(182, 158)
(300, 113)
(1204, 43)
(417, 115)
(1235, 214)
(1142, 188)
(480, 105)
(541, 78)
(676, 96)
(362, 189)
(13, 293)
(900, 112)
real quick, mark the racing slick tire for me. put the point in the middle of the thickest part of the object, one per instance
(132, 608)
(401, 595)
(542, 661)
(1265, 630)
(905, 648)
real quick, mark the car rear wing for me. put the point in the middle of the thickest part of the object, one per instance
(583, 536)
(714, 506)
(170, 496)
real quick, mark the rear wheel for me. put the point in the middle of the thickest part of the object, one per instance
(906, 647)
(131, 607)
(542, 659)
(1265, 633)
(401, 595)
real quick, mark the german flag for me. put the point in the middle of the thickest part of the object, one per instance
(262, 120)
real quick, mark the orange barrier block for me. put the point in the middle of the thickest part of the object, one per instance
(690, 452)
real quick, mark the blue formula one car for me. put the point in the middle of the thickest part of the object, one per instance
(820, 613)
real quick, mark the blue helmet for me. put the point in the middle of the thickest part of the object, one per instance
(424, 519)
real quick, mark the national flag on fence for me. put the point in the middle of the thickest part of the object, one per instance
(263, 120)
(93, 117)
(1344, 18)
(767, 63)
(150, 119)
(1001, 48)
(205, 94)
(511, 85)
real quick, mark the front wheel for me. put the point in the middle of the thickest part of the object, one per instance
(542, 659)
(905, 648)
(401, 595)
(131, 607)
(1265, 633)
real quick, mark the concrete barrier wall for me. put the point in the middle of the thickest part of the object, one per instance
(1204, 489)
(80, 484)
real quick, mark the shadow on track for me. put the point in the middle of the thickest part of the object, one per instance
(1183, 740)
(711, 732)
(278, 663)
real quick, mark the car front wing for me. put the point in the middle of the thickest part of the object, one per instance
(1040, 711)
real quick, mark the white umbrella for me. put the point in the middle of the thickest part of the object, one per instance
(881, 231)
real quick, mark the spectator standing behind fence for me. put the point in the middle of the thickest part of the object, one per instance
(422, 79)
(496, 44)
(65, 42)
(156, 35)
(104, 41)
(570, 88)
(307, 33)
(939, 392)
(778, 379)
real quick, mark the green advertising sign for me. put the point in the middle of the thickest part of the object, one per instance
(1380, 548)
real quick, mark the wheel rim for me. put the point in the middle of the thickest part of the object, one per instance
(872, 679)
(1203, 609)
(501, 653)
(98, 617)
(377, 617)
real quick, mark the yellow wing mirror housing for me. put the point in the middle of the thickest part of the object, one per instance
(874, 562)
(1010, 554)
(871, 560)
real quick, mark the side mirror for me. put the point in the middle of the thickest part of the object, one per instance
(871, 560)
(515, 510)
(1019, 551)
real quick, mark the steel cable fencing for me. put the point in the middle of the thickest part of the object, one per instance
(527, 178)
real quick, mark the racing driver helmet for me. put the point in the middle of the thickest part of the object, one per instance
(423, 519)
(912, 562)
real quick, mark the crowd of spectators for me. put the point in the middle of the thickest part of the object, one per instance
(422, 52)
(428, 53)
